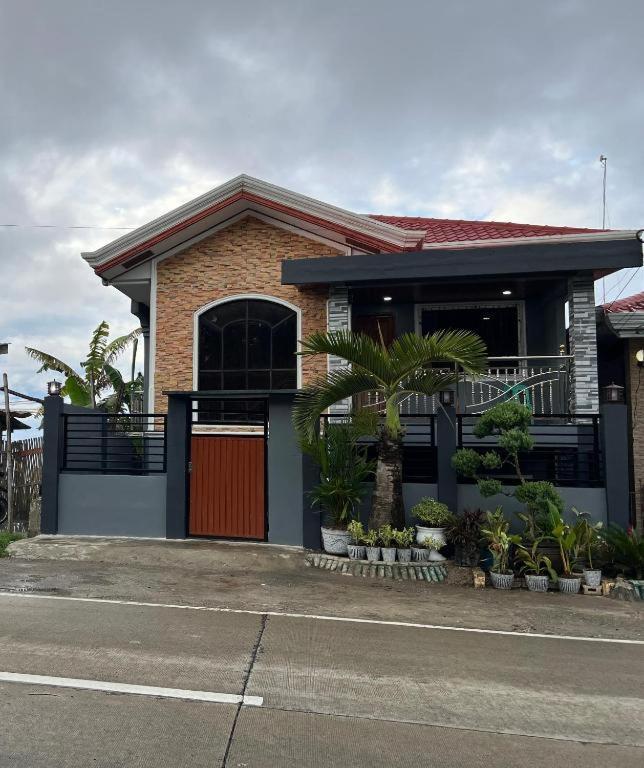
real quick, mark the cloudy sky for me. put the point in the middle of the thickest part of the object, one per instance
(115, 112)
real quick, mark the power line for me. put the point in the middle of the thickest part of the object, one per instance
(623, 289)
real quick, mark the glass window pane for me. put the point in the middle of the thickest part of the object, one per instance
(284, 343)
(259, 344)
(284, 380)
(209, 346)
(234, 345)
(210, 380)
(259, 379)
(235, 380)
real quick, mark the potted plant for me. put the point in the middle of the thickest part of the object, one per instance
(533, 565)
(432, 544)
(355, 547)
(499, 542)
(588, 535)
(436, 517)
(344, 470)
(626, 549)
(419, 553)
(371, 541)
(386, 534)
(465, 533)
(404, 538)
(568, 540)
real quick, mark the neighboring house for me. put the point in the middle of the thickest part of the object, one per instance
(620, 338)
(227, 284)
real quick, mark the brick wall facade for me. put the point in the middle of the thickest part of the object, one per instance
(635, 388)
(243, 258)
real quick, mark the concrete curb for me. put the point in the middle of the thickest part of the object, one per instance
(430, 573)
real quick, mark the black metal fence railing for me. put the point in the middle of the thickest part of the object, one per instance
(420, 456)
(567, 450)
(123, 444)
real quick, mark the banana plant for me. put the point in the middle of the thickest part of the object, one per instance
(90, 388)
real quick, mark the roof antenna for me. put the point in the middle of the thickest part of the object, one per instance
(604, 161)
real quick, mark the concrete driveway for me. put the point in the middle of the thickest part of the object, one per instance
(319, 692)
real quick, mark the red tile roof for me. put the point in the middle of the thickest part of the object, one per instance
(633, 303)
(456, 230)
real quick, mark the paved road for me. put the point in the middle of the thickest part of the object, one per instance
(333, 693)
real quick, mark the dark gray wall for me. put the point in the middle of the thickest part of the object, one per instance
(112, 505)
(285, 476)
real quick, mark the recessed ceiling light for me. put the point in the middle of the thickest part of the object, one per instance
(386, 298)
(507, 292)
(486, 317)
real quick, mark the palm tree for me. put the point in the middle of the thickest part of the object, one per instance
(99, 374)
(407, 366)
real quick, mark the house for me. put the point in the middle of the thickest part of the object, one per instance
(225, 286)
(620, 339)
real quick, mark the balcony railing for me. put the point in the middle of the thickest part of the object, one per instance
(541, 383)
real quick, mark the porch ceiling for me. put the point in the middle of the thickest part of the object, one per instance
(557, 258)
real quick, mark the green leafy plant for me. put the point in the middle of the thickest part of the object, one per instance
(371, 538)
(465, 532)
(588, 534)
(499, 540)
(386, 534)
(568, 538)
(356, 531)
(411, 364)
(432, 542)
(91, 388)
(627, 549)
(509, 422)
(433, 513)
(344, 469)
(404, 537)
(533, 561)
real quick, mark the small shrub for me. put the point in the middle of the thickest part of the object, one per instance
(432, 542)
(371, 538)
(386, 534)
(356, 531)
(404, 537)
(434, 514)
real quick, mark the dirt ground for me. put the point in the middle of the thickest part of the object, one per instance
(269, 578)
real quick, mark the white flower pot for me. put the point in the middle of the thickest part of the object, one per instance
(356, 552)
(389, 554)
(404, 555)
(592, 578)
(435, 556)
(569, 585)
(536, 583)
(423, 533)
(502, 580)
(335, 541)
(419, 554)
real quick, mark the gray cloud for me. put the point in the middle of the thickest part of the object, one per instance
(115, 112)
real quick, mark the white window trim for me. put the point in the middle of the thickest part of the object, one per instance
(241, 297)
(519, 305)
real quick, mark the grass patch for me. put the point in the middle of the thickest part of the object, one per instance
(6, 538)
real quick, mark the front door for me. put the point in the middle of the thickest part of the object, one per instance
(377, 327)
(227, 486)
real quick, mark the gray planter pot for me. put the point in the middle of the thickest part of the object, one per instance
(592, 578)
(404, 555)
(389, 554)
(373, 554)
(502, 580)
(335, 540)
(536, 583)
(419, 554)
(356, 551)
(569, 585)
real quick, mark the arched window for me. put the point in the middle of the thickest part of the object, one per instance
(247, 344)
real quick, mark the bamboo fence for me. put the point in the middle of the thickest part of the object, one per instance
(27, 475)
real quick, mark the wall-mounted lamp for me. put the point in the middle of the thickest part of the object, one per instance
(386, 298)
(507, 292)
(446, 397)
(53, 388)
(639, 356)
(613, 393)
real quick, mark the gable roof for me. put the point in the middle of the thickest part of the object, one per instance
(244, 194)
(463, 230)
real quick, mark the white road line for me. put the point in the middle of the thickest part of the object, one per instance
(316, 617)
(140, 690)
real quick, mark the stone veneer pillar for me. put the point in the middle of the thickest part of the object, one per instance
(583, 344)
(338, 319)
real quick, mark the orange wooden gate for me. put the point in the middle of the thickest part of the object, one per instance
(227, 487)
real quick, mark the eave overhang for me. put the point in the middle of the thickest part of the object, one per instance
(600, 256)
(244, 193)
(625, 325)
